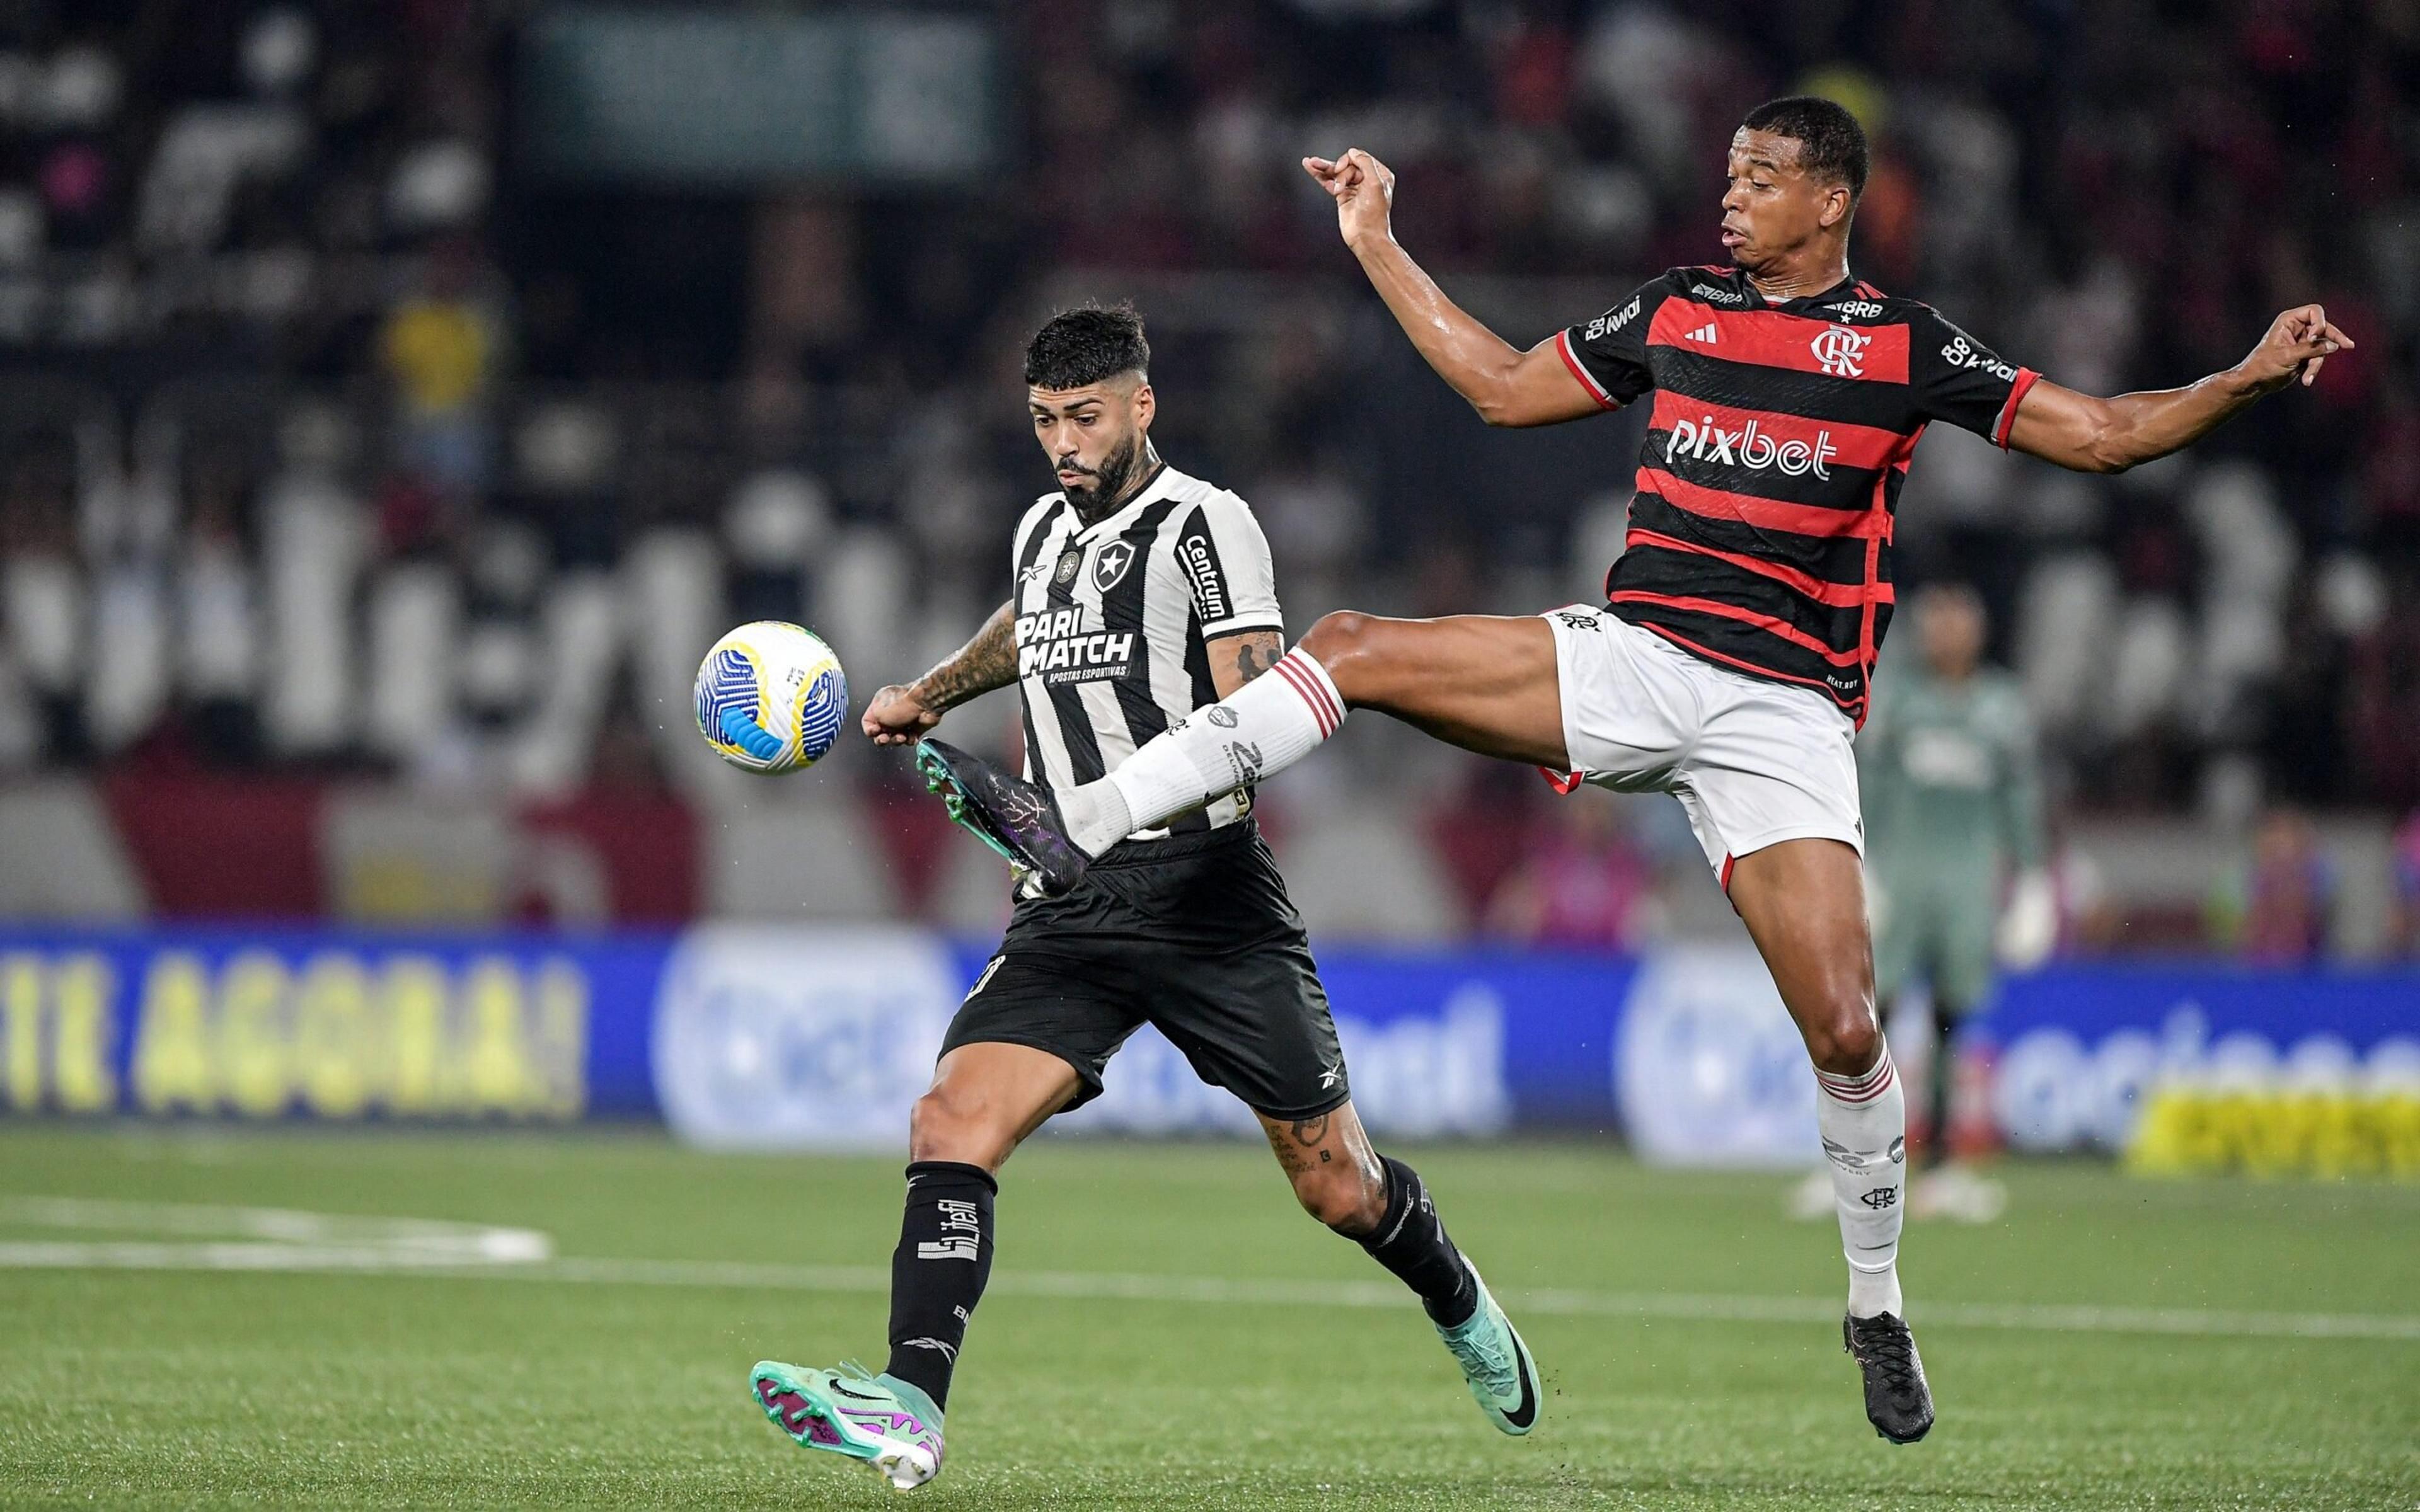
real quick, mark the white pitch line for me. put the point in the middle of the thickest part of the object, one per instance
(1088, 1285)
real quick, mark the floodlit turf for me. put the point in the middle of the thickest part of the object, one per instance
(182, 1388)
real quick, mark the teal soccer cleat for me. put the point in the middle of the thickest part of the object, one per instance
(887, 1424)
(1503, 1379)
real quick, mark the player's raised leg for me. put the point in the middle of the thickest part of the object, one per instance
(1486, 683)
(1382, 1205)
(984, 1099)
(1804, 903)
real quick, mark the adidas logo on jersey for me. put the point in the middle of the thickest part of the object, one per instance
(1705, 333)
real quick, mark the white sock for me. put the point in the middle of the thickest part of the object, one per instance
(1256, 731)
(1863, 1119)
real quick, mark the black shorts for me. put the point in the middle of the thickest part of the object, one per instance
(1194, 935)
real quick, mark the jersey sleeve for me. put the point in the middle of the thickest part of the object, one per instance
(1608, 354)
(1225, 560)
(1957, 379)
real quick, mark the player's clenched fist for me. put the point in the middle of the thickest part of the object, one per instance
(2297, 343)
(895, 717)
(1363, 189)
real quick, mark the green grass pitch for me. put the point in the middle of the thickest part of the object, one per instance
(1166, 1330)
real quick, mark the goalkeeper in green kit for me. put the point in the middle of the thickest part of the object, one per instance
(1952, 788)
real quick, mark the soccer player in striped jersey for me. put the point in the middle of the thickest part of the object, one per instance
(1142, 597)
(1729, 663)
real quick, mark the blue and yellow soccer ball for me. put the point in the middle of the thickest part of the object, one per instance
(770, 697)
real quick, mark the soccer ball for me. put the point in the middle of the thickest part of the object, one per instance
(770, 697)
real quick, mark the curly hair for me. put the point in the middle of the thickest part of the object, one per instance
(1086, 345)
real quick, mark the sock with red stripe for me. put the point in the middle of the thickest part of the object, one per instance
(1261, 728)
(1863, 1119)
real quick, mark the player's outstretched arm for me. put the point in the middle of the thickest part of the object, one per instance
(2090, 434)
(1505, 384)
(899, 715)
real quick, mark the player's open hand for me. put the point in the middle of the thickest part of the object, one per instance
(2297, 343)
(895, 717)
(1364, 191)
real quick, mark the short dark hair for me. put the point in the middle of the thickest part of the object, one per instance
(1088, 344)
(1831, 143)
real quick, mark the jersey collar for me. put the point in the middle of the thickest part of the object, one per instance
(1111, 524)
(1847, 283)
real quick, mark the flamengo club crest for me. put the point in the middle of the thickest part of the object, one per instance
(1841, 350)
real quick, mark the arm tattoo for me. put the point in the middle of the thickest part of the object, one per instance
(1256, 651)
(984, 663)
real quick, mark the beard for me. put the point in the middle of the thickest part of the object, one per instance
(1094, 500)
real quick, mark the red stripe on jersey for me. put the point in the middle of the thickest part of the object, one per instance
(2027, 379)
(1758, 670)
(1579, 371)
(1831, 595)
(1766, 623)
(1765, 514)
(1769, 338)
(1755, 437)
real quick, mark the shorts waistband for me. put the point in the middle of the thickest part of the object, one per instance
(1177, 847)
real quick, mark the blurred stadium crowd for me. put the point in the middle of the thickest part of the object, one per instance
(367, 496)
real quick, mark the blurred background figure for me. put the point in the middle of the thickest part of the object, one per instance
(1581, 881)
(2276, 908)
(1957, 859)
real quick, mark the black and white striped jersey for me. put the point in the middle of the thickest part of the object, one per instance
(1113, 622)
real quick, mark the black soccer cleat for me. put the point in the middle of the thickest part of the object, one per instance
(1898, 1401)
(1016, 818)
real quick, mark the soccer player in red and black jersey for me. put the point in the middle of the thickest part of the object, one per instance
(1729, 663)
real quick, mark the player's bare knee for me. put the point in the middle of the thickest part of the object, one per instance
(1845, 1040)
(946, 1125)
(1341, 639)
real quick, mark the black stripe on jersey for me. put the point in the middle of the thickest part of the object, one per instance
(1839, 559)
(1809, 396)
(1066, 700)
(1032, 549)
(1197, 552)
(1732, 643)
(1661, 570)
(1121, 610)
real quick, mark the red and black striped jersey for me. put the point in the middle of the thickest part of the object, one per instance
(1759, 535)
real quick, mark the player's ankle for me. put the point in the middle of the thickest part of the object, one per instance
(1096, 815)
(1872, 1293)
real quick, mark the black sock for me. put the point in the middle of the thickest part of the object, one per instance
(1411, 1241)
(938, 1271)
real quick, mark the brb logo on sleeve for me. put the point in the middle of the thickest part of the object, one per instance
(1841, 350)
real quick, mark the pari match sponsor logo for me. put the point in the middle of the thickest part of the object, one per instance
(1708, 1070)
(1055, 645)
(333, 1032)
(799, 1039)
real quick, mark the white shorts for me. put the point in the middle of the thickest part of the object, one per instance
(1754, 762)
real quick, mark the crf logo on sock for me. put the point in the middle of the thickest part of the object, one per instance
(1881, 1197)
(961, 1233)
